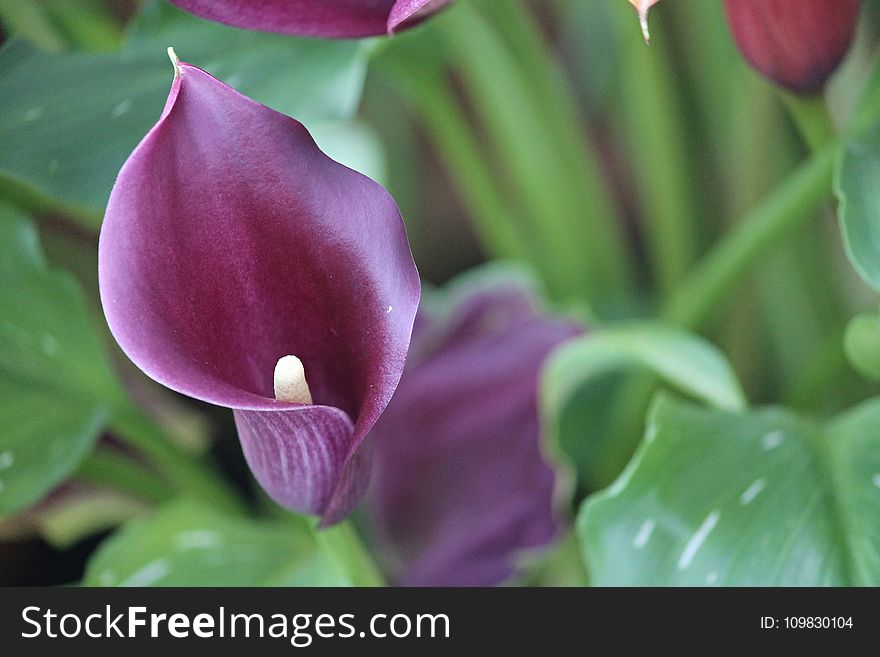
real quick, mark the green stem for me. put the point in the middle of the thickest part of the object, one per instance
(189, 476)
(435, 102)
(344, 546)
(570, 226)
(89, 25)
(811, 117)
(752, 153)
(473, 177)
(787, 207)
(652, 126)
(552, 92)
(31, 20)
(118, 472)
(716, 78)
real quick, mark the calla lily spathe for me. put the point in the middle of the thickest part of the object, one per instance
(795, 44)
(322, 18)
(230, 242)
(461, 486)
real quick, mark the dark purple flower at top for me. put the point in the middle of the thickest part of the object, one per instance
(460, 486)
(237, 262)
(794, 43)
(322, 18)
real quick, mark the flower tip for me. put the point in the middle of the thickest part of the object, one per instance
(644, 7)
(290, 381)
(175, 60)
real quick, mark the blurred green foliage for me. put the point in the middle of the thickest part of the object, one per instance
(190, 545)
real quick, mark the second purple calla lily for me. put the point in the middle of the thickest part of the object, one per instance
(321, 18)
(230, 243)
(461, 486)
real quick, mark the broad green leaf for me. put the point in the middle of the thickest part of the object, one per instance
(186, 544)
(68, 122)
(46, 335)
(683, 360)
(722, 498)
(584, 389)
(55, 385)
(857, 185)
(44, 437)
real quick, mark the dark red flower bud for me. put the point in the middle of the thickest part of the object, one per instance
(795, 43)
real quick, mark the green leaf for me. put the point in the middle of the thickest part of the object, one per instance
(763, 498)
(68, 122)
(186, 544)
(683, 360)
(581, 397)
(54, 381)
(44, 437)
(857, 185)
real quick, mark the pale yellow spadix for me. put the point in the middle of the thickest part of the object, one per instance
(290, 381)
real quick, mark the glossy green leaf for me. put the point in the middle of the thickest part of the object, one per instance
(45, 435)
(68, 122)
(55, 384)
(190, 545)
(722, 498)
(857, 185)
(683, 360)
(583, 390)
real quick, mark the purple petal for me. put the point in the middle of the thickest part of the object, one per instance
(325, 18)
(460, 485)
(407, 13)
(230, 241)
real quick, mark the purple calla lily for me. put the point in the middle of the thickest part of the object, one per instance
(798, 45)
(460, 485)
(322, 18)
(234, 258)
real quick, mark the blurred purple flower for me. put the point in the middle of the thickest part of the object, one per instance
(230, 242)
(322, 18)
(460, 485)
(795, 44)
